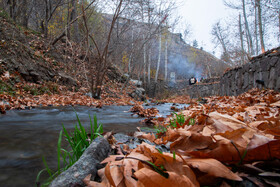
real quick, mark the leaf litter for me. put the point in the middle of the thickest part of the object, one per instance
(233, 139)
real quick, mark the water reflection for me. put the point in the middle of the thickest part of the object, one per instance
(26, 135)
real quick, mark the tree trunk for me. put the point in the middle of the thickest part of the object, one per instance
(149, 67)
(256, 30)
(12, 4)
(76, 35)
(144, 61)
(258, 3)
(166, 59)
(279, 24)
(46, 21)
(130, 56)
(251, 52)
(25, 16)
(159, 58)
(241, 40)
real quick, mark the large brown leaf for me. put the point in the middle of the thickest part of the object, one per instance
(193, 142)
(212, 167)
(147, 177)
(223, 121)
(175, 164)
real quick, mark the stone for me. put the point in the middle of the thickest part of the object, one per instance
(138, 94)
(273, 61)
(265, 64)
(87, 164)
(265, 77)
(272, 78)
(136, 82)
(256, 67)
(277, 86)
(257, 76)
(277, 66)
(246, 80)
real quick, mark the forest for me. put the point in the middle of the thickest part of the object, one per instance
(120, 93)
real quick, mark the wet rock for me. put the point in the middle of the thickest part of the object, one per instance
(87, 164)
(138, 94)
(136, 82)
(133, 142)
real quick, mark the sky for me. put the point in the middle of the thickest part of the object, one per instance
(201, 15)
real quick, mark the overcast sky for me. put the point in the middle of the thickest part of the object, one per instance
(202, 14)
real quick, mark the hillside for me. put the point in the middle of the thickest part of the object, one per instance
(33, 73)
(188, 61)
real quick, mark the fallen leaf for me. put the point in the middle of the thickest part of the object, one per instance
(212, 167)
(147, 177)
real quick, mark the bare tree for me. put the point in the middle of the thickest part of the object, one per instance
(258, 5)
(241, 40)
(220, 38)
(101, 60)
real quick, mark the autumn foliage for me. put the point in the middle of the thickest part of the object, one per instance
(233, 139)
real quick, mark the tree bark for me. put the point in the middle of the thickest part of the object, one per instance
(149, 67)
(241, 41)
(256, 30)
(144, 61)
(258, 4)
(166, 59)
(159, 58)
(251, 52)
(76, 35)
(25, 16)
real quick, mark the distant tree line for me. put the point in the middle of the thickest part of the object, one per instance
(254, 27)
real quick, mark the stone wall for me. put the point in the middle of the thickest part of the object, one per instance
(264, 68)
(203, 90)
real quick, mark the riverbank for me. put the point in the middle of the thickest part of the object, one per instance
(232, 141)
(15, 93)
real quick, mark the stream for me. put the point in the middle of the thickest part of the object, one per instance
(27, 135)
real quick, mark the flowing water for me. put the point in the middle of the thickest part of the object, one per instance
(27, 135)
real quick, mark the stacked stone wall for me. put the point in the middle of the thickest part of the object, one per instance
(264, 68)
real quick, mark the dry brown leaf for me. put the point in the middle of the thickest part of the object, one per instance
(258, 140)
(236, 136)
(148, 177)
(195, 141)
(175, 165)
(150, 136)
(276, 104)
(212, 167)
(226, 120)
(222, 150)
(267, 151)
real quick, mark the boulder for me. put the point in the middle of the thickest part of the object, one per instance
(138, 94)
(136, 82)
(87, 164)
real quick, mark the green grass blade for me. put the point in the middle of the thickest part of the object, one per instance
(82, 129)
(47, 167)
(68, 138)
(91, 129)
(39, 174)
(59, 150)
(95, 123)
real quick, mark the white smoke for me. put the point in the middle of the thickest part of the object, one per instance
(183, 67)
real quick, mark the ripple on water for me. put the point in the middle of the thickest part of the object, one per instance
(27, 135)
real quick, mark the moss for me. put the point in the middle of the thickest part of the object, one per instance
(6, 88)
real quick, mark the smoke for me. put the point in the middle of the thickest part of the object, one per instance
(183, 68)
